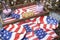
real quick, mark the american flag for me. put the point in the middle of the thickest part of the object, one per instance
(6, 35)
(47, 20)
(16, 16)
(38, 28)
(30, 31)
(38, 34)
(20, 11)
(44, 20)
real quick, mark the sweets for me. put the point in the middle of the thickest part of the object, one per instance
(28, 14)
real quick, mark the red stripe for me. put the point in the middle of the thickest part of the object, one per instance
(35, 39)
(34, 20)
(30, 35)
(44, 26)
(41, 19)
(50, 26)
(11, 27)
(38, 25)
(35, 26)
(17, 36)
(5, 27)
(20, 23)
(8, 19)
(17, 29)
(51, 33)
(18, 11)
(47, 30)
(49, 38)
(24, 9)
(27, 20)
(23, 31)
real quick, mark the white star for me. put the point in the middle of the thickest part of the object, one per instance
(52, 21)
(39, 33)
(4, 31)
(41, 36)
(0, 35)
(7, 37)
(48, 19)
(4, 35)
(42, 33)
(55, 20)
(40, 30)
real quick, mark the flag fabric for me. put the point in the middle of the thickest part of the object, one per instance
(20, 11)
(19, 26)
(37, 28)
(6, 35)
(15, 28)
(45, 20)
(16, 16)
(38, 33)
(29, 31)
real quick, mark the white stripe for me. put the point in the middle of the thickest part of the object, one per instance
(38, 20)
(41, 25)
(32, 25)
(32, 38)
(28, 10)
(32, 18)
(35, 28)
(48, 27)
(20, 11)
(21, 17)
(27, 23)
(53, 27)
(21, 36)
(13, 36)
(9, 20)
(10, 26)
(20, 29)
(44, 19)
(30, 34)
(16, 11)
(45, 38)
(54, 35)
(50, 31)
(15, 26)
